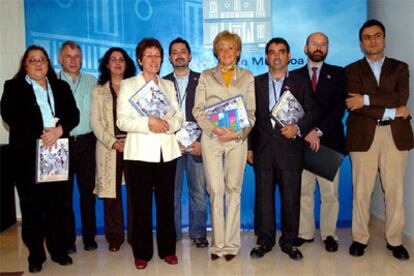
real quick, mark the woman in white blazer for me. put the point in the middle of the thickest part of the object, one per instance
(224, 151)
(150, 151)
(115, 66)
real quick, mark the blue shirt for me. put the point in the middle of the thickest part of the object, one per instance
(82, 92)
(45, 101)
(376, 67)
(275, 86)
(181, 84)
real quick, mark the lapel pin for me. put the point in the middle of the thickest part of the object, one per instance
(329, 76)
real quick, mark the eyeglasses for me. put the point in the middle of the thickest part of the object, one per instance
(117, 60)
(153, 57)
(34, 61)
(375, 36)
(320, 44)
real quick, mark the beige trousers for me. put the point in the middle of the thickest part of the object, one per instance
(385, 157)
(224, 165)
(329, 206)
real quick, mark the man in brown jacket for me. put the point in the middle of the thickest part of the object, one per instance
(379, 136)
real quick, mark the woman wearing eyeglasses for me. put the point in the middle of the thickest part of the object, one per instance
(115, 66)
(151, 151)
(36, 105)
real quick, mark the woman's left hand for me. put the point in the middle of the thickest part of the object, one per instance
(50, 136)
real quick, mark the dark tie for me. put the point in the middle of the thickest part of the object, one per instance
(314, 78)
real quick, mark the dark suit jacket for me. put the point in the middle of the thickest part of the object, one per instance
(330, 99)
(189, 99)
(190, 93)
(21, 112)
(391, 92)
(267, 142)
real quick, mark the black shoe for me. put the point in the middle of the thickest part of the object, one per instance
(200, 242)
(35, 267)
(293, 252)
(357, 249)
(259, 251)
(229, 257)
(71, 249)
(62, 260)
(89, 246)
(331, 245)
(399, 252)
(300, 241)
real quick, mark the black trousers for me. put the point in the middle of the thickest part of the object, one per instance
(42, 207)
(289, 182)
(82, 164)
(113, 210)
(146, 179)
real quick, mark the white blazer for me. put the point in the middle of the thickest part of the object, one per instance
(141, 144)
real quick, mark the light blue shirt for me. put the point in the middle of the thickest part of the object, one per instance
(376, 67)
(47, 107)
(82, 92)
(275, 86)
(181, 84)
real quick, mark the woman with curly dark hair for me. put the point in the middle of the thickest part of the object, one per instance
(115, 66)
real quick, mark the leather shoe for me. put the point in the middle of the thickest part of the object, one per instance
(200, 242)
(331, 245)
(399, 252)
(293, 252)
(89, 246)
(71, 249)
(259, 251)
(114, 247)
(171, 259)
(301, 241)
(357, 249)
(140, 264)
(229, 257)
(214, 256)
(62, 260)
(35, 267)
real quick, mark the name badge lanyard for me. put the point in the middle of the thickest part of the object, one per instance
(177, 89)
(274, 94)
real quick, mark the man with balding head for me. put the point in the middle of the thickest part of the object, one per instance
(328, 90)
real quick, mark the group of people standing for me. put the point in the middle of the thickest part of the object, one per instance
(111, 143)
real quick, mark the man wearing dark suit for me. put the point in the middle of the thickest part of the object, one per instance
(328, 89)
(378, 138)
(277, 152)
(186, 81)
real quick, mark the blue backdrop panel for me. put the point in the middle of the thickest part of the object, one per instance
(98, 25)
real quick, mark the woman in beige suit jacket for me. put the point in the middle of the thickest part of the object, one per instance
(151, 150)
(115, 66)
(224, 151)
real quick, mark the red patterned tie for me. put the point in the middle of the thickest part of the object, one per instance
(314, 78)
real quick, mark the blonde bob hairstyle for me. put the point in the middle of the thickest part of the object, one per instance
(227, 36)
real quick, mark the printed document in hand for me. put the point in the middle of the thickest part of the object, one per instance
(188, 134)
(227, 119)
(236, 102)
(287, 110)
(149, 100)
(52, 164)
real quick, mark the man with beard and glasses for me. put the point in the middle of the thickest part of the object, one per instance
(328, 90)
(190, 162)
(277, 152)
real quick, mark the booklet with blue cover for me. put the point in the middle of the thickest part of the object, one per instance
(227, 119)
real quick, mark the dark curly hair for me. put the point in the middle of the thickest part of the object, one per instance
(105, 73)
(51, 75)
